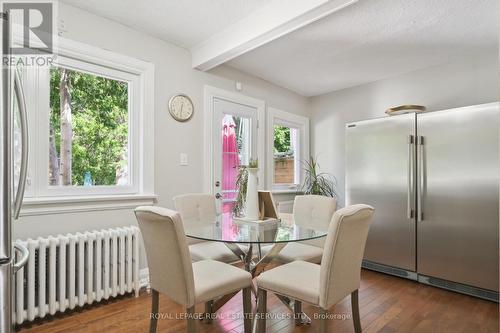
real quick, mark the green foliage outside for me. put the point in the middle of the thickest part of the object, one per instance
(282, 139)
(100, 125)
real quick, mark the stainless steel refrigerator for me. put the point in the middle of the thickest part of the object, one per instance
(433, 180)
(13, 124)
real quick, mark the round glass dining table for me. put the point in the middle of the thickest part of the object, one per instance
(232, 232)
(244, 239)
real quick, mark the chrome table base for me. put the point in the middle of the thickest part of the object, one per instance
(255, 268)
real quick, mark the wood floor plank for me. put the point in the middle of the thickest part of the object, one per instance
(387, 305)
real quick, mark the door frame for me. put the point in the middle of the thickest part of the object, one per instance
(210, 94)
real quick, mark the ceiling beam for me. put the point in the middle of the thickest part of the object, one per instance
(272, 21)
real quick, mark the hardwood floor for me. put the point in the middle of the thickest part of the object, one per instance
(387, 304)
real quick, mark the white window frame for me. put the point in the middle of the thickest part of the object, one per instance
(291, 120)
(40, 196)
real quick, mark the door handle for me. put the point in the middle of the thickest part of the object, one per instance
(218, 196)
(420, 180)
(24, 257)
(23, 173)
(410, 178)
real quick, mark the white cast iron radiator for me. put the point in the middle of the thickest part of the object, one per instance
(72, 270)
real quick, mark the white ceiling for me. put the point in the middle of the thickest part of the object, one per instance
(372, 40)
(364, 42)
(181, 22)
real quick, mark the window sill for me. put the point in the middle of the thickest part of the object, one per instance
(286, 191)
(69, 204)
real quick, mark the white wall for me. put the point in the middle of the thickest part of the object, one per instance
(173, 74)
(463, 83)
(467, 82)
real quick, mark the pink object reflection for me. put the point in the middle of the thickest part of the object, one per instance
(230, 168)
(230, 158)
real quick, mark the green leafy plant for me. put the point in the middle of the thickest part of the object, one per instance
(241, 185)
(318, 183)
(253, 163)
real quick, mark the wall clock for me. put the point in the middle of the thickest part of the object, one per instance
(181, 107)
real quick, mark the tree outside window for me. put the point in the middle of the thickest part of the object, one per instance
(285, 143)
(88, 141)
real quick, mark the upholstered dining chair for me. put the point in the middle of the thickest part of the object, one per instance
(172, 272)
(199, 208)
(313, 211)
(326, 284)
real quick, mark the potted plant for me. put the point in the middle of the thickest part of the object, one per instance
(318, 183)
(242, 186)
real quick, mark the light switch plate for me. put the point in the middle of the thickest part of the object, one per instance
(184, 159)
(238, 86)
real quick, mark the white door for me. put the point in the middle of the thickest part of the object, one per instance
(235, 143)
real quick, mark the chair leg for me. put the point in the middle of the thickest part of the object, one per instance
(261, 310)
(247, 310)
(154, 311)
(191, 320)
(323, 320)
(209, 312)
(297, 312)
(355, 311)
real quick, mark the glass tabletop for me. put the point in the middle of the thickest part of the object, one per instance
(228, 230)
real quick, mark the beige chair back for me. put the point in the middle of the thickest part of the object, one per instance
(196, 208)
(343, 253)
(314, 211)
(169, 261)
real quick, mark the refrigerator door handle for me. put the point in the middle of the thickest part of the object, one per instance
(410, 179)
(420, 180)
(24, 257)
(23, 174)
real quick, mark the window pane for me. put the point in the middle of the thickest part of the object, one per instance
(285, 155)
(88, 141)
